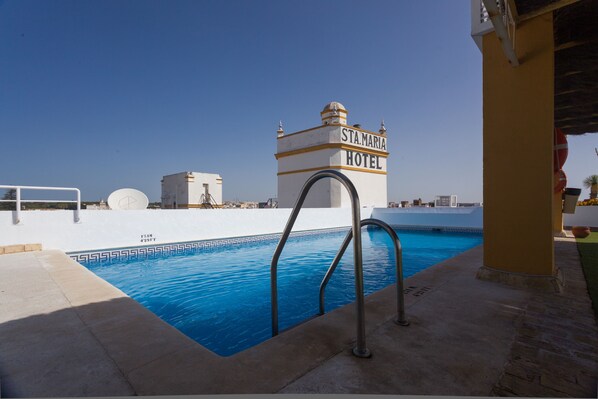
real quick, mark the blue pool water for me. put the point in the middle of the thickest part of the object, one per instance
(220, 297)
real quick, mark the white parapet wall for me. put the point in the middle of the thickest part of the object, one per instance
(119, 229)
(470, 218)
(583, 216)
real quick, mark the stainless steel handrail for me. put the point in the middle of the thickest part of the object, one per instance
(401, 320)
(360, 349)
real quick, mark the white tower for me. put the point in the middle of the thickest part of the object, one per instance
(359, 154)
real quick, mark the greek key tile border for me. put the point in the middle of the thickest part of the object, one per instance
(180, 247)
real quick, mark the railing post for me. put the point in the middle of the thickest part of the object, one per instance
(77, 211)
(360, 350)
(18, 206)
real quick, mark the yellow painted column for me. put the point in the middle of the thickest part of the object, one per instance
(518, 143)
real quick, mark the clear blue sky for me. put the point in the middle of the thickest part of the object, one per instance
(102, 95)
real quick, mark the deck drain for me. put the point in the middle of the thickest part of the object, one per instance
(416, 291)
(409, 289)
(422, 291)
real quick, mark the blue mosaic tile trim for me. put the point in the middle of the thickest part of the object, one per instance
(178, 248)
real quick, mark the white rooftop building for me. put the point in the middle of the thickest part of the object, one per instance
(443, 201)
(186, 190)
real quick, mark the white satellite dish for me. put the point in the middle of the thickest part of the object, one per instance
(127, 199)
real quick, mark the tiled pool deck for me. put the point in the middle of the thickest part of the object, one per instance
(65, 332)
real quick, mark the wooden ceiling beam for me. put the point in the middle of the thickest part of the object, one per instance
(579, 129)
(589, 120)
(565, 92)
(576, 125)
(575, 43)
(575, 109)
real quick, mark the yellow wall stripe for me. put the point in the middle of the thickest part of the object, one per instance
(331, 111)
(331, 145)
(343, 167)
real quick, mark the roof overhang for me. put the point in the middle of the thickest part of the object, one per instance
(575, 56)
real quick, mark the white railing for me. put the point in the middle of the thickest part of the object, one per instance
(19, 201)
(481, 22)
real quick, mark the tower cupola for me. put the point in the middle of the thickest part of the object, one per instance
(334, 113)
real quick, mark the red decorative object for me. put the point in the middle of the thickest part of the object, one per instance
(560, 181)
(580, 231)
(561, 149)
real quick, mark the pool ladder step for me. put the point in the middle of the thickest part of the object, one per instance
(360, 349)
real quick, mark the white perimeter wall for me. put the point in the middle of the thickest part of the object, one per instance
(583, 216)
(470, 217)
(117, 229)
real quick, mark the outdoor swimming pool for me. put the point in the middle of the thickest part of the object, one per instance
(220, 297)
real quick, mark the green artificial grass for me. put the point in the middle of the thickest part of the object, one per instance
(588, 250)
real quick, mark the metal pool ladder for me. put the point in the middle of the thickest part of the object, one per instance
(400, 320)
(360, 350)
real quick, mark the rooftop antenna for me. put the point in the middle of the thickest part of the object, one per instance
(334, 109)
(382, 128)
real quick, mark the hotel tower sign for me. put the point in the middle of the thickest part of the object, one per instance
(359, 154)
